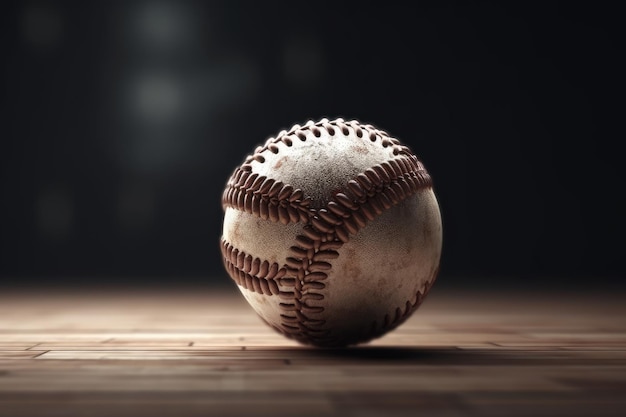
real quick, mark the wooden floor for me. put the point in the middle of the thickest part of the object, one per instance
(203, 352)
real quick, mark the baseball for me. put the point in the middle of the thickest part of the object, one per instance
(332, 232)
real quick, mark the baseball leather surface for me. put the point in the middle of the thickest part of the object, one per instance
(332, 232)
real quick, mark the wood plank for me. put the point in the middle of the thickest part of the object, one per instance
(18, 354)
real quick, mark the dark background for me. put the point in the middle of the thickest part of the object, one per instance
(121, 122)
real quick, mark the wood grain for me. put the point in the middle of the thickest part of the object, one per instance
(203, 352)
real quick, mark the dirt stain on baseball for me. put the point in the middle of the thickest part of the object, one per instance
(279, 163)
(360, 149)
(352, 268)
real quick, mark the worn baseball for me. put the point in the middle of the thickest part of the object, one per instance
(332, 232)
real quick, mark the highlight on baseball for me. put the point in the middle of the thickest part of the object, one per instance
(332, 232)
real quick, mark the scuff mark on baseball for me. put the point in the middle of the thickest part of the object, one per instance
(332, 232)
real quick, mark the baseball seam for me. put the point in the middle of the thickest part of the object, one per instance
(251, 273)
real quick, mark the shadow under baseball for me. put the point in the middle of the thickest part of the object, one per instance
(444, 356)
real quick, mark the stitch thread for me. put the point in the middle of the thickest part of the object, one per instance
(251, 273)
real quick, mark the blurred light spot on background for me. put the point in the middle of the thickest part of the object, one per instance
(156, 98)
(136, 206)
(55, 212)
(173, 88)
(183, 97)
(161, 26)
(168, 114)
(42, 25)
(303, 61)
